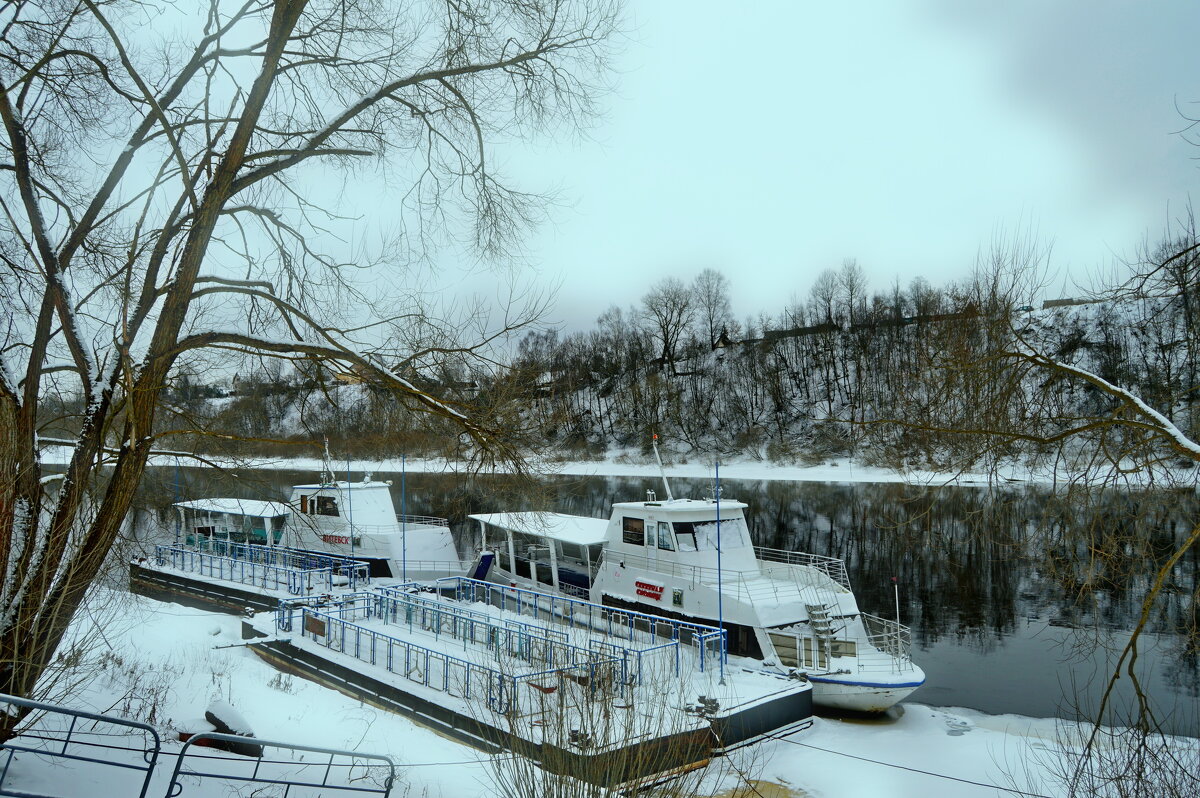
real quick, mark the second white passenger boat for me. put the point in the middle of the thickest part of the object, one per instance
(693, 559)
(355, 520)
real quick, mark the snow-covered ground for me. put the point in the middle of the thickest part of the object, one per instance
(178, 660)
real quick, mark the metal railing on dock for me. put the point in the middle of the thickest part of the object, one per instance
(635, 627)
(296, 571)
(460, 676)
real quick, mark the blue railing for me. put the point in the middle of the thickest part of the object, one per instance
(293, 570)
(445, 672)
(709, 641)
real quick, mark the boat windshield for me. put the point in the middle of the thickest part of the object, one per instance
(702, 535)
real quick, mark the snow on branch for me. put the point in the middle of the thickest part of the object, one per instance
(336, 351)
(1154, 420)
(212, 278)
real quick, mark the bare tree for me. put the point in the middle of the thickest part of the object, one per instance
(162, 197)
(852, 289)
(712, 302)
(669, 307)
(823, 297)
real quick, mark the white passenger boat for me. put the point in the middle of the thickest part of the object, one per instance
(347, 519)
(694, 560)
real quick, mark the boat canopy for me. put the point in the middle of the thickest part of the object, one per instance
(576, 529)
(250, 507)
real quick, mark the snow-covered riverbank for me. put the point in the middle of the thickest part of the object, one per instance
(841, 470)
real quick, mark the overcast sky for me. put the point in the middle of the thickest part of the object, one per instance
(774, 141)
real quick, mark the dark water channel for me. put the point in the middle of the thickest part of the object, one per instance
(1018, 598)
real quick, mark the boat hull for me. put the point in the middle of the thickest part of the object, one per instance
(862, 697)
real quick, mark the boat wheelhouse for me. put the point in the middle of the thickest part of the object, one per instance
(694, 559)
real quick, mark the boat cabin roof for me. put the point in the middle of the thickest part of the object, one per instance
(251, 507)
(576, 529)
(672, 506)
(342, 485)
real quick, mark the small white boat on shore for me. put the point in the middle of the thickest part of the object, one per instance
(694, 560)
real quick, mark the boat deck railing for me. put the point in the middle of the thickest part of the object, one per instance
(891, 637)
(427, 520)
(773, 581)
(640, 631)
(431, 569)
(341, 526)
(832, 567)
(295, 571)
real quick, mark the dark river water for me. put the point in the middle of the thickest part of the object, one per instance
(1019, 598)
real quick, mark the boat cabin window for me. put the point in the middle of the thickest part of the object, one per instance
(665, 541)
(326, 505)
(633, 531)
(570, 551)
(685, 533)
(702, 535)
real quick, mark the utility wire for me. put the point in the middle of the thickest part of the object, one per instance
(911, 769)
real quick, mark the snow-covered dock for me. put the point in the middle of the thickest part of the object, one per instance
(594, 691)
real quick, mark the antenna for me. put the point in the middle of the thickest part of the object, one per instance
(326, 465)
(662, 472)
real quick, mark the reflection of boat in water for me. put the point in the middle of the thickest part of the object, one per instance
(344, 519)
(693, 559)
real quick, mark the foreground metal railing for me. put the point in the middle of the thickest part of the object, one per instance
(333, 771)
(54, 733)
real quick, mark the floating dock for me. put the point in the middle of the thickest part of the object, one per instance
(598, 693)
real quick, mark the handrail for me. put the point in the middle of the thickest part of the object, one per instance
(518, 637)
(72, 737)
(338, 525)
(736, 582)
(833, 567)
(416, 659)
(296, 579)
(431, 520)
(260, 775)
(279, 555)
(890, 637)
(59, 744)
(580, 613)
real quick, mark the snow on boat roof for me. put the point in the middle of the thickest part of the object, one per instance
(577, 529)
(252, 507)
(685, 505)
(342, 485)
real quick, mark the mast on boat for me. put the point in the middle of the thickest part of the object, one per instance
(662, 472)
